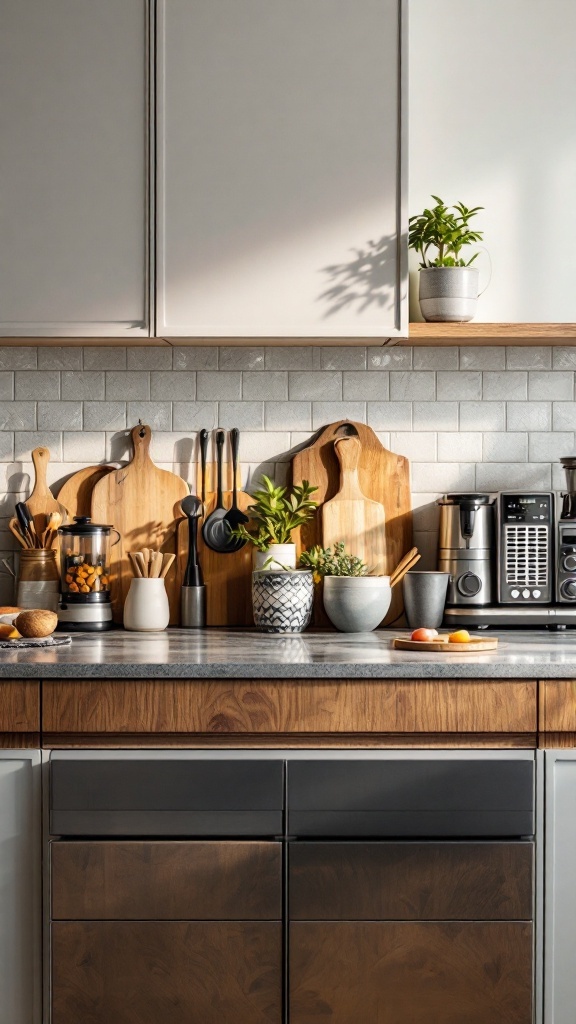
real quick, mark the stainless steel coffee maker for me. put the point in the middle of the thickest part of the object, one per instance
(466, 545)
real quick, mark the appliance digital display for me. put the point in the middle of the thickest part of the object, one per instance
(569, 538)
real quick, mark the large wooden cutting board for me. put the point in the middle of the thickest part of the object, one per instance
(76, 493)
(228, 578)
(143, 503)
(383, 476)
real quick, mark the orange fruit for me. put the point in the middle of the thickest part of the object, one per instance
(461, 636)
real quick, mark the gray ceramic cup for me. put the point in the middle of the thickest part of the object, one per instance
(424, 598)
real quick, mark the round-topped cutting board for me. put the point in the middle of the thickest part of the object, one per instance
(443, 647)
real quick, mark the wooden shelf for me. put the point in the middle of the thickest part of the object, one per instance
(474, 333)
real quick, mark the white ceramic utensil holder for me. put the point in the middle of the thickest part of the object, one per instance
(146, 609)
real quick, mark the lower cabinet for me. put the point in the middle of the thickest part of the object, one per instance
(20, 887)
(411, 933)
(172, 932)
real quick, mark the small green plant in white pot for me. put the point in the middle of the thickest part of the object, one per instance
(448, 283)
(354, 601)
(274, 515)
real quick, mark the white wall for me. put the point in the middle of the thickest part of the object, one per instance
(493, 123)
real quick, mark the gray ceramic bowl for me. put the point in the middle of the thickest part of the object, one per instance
(356, 604)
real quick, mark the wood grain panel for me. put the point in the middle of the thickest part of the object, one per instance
(19, 705)
(557, 705)
(151, 880)
(405, 973)
(294, 740)
(288, 706)
(463, 881)
(160, 972)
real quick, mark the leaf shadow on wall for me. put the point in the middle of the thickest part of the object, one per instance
(368, 279)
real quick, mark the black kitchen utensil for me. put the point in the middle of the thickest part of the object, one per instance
(26, 522)
(216, 531)
(234, 516)
(192, 508)
(203, 439)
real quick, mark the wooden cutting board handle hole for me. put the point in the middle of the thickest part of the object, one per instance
(141, 438)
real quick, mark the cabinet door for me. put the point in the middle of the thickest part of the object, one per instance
(73, 212)
(20, 887)
(280, 202)
(560, 888)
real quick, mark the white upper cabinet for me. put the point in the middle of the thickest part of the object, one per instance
(280, 203)
(74, 113)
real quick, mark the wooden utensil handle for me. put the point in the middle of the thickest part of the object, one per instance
(348, 452)
(400, 575)
(404, 561)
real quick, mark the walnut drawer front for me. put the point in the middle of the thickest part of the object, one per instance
(166, 880)
(411, 881)
(236, 707)
(19, 705)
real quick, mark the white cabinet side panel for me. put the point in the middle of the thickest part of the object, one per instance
(20, 899)
(73, 167)
(279, 173)
(560, 889)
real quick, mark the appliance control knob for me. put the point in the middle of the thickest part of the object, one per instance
(469, 584)
(536, 593)
(569, 563)
(568, 590)
(514, 593)
(525, 593)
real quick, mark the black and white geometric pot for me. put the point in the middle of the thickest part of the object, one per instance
(282, 601)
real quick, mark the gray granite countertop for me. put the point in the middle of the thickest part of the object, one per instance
(247, 654)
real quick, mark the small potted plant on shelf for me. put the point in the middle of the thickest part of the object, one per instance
(282, 595)
(354, 601)
(448, 283)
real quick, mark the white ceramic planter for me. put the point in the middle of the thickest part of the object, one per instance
(448, 294)
(356, 604)
(283, 557)
(146, 608)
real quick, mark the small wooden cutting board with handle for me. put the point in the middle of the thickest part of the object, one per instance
(41, 501)
(352, 518)
(142, 502)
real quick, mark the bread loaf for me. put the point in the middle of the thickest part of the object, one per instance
(37, 622)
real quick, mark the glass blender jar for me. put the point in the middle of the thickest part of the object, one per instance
(85, 575)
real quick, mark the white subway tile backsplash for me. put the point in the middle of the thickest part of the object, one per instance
(413, 446)
(435, 416)
(362, 386)
(552, 385)
(23, 357)
(157, 415)
(17, 416)
(563, 416)
(244, 415)
(55, 358)
(6, 447)
(324, 385)
(483, 416)
(6, 386)
(564, 357)
(288, 415)
(218, 386)
(529, 416)
(265, 446)
(195, 357)
(459, 385)
(324, 413)
(104, 357)
(104, 415)
(493, 476)
(297, 357)
(549, 447)
(269, 385)
(505, 447)
(174, 387)
(127, 386)
(389, 415)
(449, 476)
(460, 446)
(482, 357)
(512, 385)
(35, 385)
(534, 358)
(80, 385)
(436, 358)
(26, 440)
(395, 358)
(413, 385)
(84, 446)
(194, 416)
(149, 358)
(59, 415)
(343, 358)
(240, 358)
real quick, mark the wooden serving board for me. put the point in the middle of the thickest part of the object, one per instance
(142, 502)
(403, 644)
(351, 517)
(383, 477)
(41, 501)
(76, 493)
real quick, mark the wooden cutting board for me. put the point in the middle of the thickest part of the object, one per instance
(41, 500)
(143, 503)
(383, 476)
(228, 578)
(352, 518)
(76, 493)
(475, 645)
